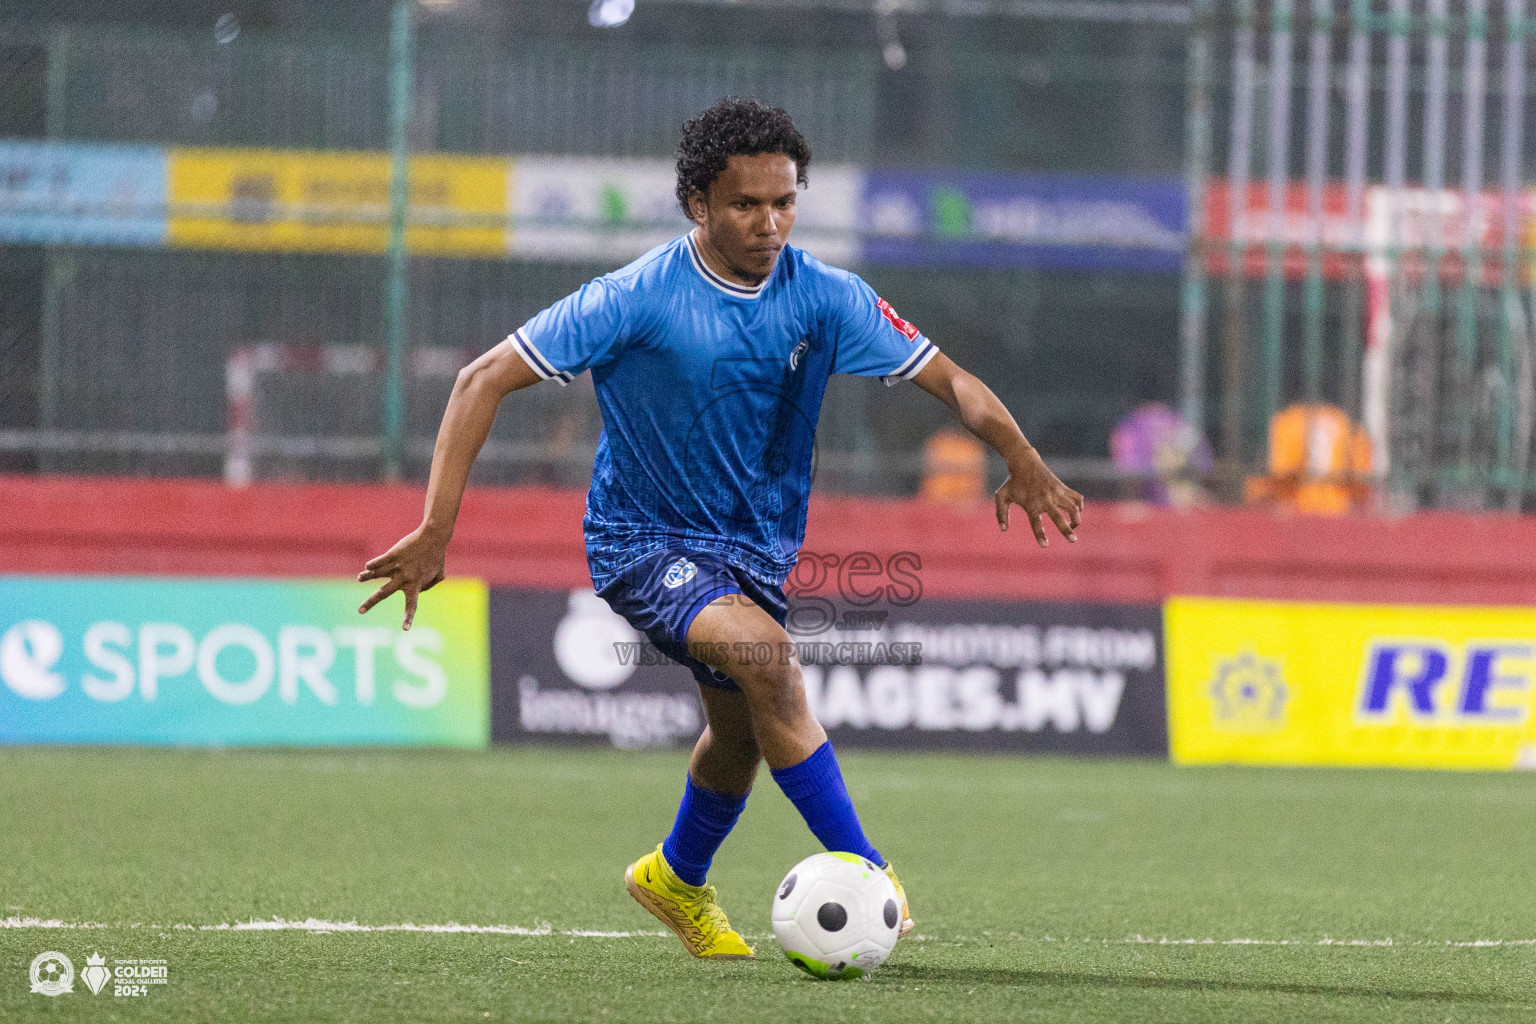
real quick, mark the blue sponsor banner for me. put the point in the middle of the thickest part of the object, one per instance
(1067, 222)
(72, 194)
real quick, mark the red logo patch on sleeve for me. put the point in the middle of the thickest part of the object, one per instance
(897, 322)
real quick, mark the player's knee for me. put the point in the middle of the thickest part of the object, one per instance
(736, 743)
(774, 689)
(743, 758)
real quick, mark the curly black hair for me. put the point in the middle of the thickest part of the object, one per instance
(734, 127)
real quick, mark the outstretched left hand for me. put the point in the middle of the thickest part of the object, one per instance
(415, 564)
(1034, 488)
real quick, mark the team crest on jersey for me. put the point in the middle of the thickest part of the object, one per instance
(800, 350)
(678, 573)
(897, 322)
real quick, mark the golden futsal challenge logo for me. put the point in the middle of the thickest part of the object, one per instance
(53, 974)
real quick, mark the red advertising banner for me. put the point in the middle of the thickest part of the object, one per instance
(1410, 220)
(1296, 229)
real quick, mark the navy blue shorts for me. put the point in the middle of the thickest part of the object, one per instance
(661, 594)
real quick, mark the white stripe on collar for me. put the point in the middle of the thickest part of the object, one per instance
(741, 291)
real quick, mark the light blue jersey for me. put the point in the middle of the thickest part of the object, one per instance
(710, 393)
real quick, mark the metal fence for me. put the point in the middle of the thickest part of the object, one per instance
(132, 374)
(1358, 220)
(121, 86)
(1369, 227)
(121, 360)
(1044, 93)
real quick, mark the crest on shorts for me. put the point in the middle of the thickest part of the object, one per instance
(678, 573)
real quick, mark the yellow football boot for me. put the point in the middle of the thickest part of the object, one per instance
(689, 910)
(907, 924)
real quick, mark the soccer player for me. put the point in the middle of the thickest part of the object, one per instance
(710, 356)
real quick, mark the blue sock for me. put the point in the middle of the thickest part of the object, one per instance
(815, 786)
(704, 819)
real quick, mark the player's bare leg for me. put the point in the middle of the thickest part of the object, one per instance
(726, 757)
(720, 776)
(731, 634)
(736, 636)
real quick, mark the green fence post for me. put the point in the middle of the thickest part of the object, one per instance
(1197, 146)
(1234, 372)
(1272, 365)
(1459, 490)
(55, 268)
(397, 282)
(1357, 106)
(1436, 87)
(1510, 175)
(1391, 436)
(1319, 66)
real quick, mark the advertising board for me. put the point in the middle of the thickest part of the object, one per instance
(942, 674)
(1273, 682)
(194, 662)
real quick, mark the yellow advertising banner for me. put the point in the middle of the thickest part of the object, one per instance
(288, 201)
(1269, 682)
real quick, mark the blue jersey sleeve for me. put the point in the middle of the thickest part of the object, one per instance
(871, 340)
(582, 330)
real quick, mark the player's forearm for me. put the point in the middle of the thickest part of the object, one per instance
(984, 415)
(466, 424)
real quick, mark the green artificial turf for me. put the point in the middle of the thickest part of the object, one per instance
(1031, 880)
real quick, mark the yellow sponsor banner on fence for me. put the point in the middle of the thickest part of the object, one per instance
(1269, 682)
(286, 201)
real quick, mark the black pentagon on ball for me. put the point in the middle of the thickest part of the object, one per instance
(892, 914)
(787, 888)
(832, 916)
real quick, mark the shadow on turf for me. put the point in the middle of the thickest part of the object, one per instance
(1023, 977)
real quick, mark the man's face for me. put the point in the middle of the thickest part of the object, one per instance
(748, 212)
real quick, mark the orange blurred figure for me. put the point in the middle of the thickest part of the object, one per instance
(1319, 462)
(954, 467)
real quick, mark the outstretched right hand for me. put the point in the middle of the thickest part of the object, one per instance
(414, 564)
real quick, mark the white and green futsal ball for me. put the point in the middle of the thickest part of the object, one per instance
(836, 915)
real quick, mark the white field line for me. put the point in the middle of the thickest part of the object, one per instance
(278, 924)
(545, 929)
(1142, 940)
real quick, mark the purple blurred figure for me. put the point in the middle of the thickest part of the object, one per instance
(1157, 444)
